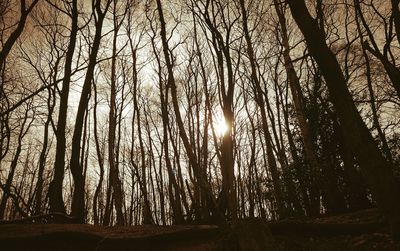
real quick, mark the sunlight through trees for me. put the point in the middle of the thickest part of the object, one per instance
(199, 111)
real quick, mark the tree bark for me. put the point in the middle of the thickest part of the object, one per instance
(78, 200)
(7, 46)
(56, 186)
(112, 159)
(375, 168)
(100, 152)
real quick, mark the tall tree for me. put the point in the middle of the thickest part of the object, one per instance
(78, 200)
(112, 122)
(390, 67)
(6, 48)
(203, 183)
(226, 84)
(259, 97)
(376, 170)
(56, 186)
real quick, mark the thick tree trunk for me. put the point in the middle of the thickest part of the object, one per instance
(375, 168)
(396, 17)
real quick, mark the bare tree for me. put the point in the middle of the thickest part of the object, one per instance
(376, 169)
(12, 39)
(182, 132)
(56, 186)
(24, 128)
(78, 201)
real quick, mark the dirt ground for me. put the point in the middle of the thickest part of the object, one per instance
(364, 230)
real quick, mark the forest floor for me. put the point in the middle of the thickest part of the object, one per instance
(363, 230)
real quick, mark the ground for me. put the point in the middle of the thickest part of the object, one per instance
(363, 230)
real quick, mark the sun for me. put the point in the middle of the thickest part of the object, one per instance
(220, 127)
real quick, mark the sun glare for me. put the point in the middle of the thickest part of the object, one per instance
(220, 127)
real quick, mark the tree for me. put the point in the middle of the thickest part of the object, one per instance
(78, 200)
(172, 85)
(24, 128)
(114, 172)
(376, 170)
(56, 186)
(390, 67)
(12, 39)
(7, 45)
(259, 96)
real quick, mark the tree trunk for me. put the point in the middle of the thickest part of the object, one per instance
(272, 165)
(43, 153)
(7, 186)
(182, 133)
(297, 97)
(375, 168)
(56, 186)
(112, 124)
(7, 46)
(78, 200)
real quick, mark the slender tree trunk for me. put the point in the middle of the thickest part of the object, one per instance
(182, 132)
(56, 186)
(43, 153)
(112, 159)
(7, 186)
(174, 190)
(374, 111)
(297, 97)
(272, 165)
(100, 159)
(392, 71)
(78, 201)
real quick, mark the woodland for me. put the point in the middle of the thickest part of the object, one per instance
(122, 113)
